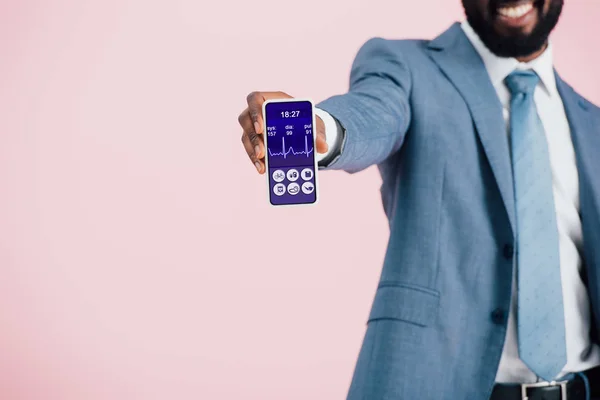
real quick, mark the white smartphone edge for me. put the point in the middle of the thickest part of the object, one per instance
(314, 135)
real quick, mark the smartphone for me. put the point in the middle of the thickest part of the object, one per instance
(290, 159)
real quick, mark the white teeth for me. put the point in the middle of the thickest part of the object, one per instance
(515, 12)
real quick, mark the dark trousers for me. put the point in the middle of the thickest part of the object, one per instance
(576, 389)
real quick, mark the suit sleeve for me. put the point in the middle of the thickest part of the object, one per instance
(375, 113)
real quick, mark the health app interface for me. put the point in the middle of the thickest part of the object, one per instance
(290, 152)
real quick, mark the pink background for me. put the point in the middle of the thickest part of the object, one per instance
(132, 224)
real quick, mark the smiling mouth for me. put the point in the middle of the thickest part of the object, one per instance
(515, 10)
(516, 14)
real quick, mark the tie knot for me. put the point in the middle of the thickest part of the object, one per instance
(522, 82)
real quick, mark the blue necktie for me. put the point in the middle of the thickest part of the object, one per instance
(540, 311)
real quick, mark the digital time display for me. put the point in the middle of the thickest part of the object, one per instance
(290, 114)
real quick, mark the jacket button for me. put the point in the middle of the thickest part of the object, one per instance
(508, 251)
(498, 316)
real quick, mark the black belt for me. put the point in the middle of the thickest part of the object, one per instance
(573, 389)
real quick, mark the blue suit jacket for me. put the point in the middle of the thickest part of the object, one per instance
(427, 114)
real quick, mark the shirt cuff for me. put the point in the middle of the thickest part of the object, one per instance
(334, 134)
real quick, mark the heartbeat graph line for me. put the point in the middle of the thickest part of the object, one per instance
(284, 153)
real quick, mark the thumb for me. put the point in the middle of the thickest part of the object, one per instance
(321, 137)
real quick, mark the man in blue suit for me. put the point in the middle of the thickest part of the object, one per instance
(490, 287)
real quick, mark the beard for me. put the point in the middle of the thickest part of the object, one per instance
(516, 44)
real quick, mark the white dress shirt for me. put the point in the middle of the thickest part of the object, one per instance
(582, 354)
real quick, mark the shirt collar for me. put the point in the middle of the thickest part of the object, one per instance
(499, 68)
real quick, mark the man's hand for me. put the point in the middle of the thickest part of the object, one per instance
(252, 124)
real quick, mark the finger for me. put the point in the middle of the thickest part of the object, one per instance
(244, 118)
(250, 150)
(255, 101)
(322, 146)
(255, 140)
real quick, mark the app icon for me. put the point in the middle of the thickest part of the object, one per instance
(293, 188)
(278, 175)
(307, 174)
(308, 187)
(279, 189)
(292, 175)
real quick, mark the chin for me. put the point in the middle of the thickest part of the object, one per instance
(517, 18)
(517, 28)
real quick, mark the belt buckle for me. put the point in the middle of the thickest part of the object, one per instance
(526, 386)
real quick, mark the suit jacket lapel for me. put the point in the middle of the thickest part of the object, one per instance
(585, 133)
(462, 65)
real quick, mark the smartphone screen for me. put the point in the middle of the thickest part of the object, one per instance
(290, 152)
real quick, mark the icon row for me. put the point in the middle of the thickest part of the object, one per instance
(292, 175)
(293, 188)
